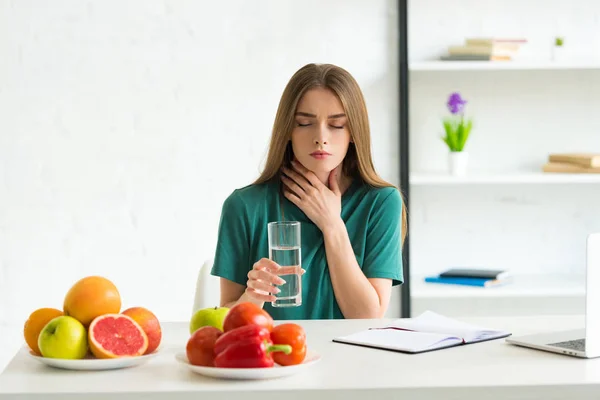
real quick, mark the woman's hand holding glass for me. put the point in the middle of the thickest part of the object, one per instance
(263, 281)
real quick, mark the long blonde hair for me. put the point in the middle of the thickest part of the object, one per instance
(358, 161)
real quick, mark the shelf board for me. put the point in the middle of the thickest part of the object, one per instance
(441, 178)
(503, 65)
(521, 286)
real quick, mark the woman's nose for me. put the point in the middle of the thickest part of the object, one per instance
(321, 136)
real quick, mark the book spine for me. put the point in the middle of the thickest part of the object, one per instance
(474, 57)
(464, 281)
(488, 41)
(479, 50)
(569, 168)
(590, 161)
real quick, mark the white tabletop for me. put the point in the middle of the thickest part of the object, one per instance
(490, 370)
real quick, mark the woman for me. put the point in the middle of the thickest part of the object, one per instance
(319, 172)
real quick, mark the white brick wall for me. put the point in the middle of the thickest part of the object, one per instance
(124, 125)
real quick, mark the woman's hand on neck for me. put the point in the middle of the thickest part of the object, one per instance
(342, 181)
(323, 177)
(320, 201)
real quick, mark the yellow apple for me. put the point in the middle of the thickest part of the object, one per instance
(63, 337)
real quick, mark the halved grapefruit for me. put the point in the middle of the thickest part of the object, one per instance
(116, 335)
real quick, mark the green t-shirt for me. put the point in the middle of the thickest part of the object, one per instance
(373, 221)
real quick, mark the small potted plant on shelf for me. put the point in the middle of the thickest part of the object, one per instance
(457, 128)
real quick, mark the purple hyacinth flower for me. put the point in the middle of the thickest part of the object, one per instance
(456, 104)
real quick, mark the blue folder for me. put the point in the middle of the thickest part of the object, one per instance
(481, 282)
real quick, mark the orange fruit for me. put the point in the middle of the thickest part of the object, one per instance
(91, 297)
(35, 323)
(116, 335)
(149, 323)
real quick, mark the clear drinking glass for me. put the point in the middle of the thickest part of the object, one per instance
(284, 249)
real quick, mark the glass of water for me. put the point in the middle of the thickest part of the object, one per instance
(284, 249)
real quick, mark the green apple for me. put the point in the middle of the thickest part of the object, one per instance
(63, 337)
(213, 316)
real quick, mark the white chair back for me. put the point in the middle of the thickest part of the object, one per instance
(208, 288)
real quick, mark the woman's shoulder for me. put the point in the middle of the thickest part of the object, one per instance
(249, 194)
(377, 201)
(379, 194)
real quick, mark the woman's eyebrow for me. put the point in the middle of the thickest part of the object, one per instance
(304, 114)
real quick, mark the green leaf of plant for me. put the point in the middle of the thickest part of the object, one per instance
(459, 137)
(451, 126)
(466, 130)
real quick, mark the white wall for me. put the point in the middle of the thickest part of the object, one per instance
(520, 117)
(124, 125)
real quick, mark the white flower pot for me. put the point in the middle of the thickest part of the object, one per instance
(457, 162)
(559, 53)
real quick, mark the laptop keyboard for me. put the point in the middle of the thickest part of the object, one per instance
(578, 344)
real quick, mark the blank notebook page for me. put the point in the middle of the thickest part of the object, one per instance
(435, 323)
(395, 339)
(428, 331)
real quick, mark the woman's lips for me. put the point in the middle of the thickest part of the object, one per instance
(320, 155)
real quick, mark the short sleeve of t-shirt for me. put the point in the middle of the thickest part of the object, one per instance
(232, 252)
(383, 247)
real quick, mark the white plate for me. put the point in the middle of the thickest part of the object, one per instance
(251, 373)
(93, 364)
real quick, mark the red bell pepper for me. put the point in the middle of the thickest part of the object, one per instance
(295, 336)
(240, 334)
(247, 347)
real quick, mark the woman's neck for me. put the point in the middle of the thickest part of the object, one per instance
(323, 177)
(343, 181)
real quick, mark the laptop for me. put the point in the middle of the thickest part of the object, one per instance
(584, 342)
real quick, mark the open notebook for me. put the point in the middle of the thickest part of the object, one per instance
(429, 331)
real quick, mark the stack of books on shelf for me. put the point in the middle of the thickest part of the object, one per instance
(486, 49)
(479, 277)
(574, 163)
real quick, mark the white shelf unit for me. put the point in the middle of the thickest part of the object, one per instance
(527, 294)
(503, 65)
(441, 178)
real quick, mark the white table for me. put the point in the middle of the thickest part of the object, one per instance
(489, 370)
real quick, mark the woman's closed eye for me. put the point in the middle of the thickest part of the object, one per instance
(338, 123)
(309, 124)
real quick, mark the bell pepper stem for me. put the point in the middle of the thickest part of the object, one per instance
(285, 348)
